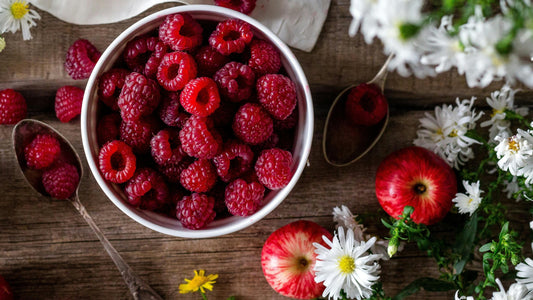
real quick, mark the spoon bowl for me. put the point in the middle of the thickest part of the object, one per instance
(344, 142)
(23, 134)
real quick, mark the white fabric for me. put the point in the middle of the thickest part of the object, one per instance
(296, 22)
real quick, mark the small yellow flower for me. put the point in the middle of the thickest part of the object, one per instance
(199, 282)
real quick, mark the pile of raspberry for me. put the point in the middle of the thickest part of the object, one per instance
(59, 176)
(197, 120)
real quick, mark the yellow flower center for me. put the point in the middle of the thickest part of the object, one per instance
(513, 145)
(347, 264)
(496, 112)
(19, 9)
(453, 133)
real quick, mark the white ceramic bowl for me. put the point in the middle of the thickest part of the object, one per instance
(165, 224)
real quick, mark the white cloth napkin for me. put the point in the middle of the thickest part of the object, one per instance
(296, 22)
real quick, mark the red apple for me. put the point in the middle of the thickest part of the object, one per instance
(288, 259)
(366, 105)
(5, 290)
(419, 178)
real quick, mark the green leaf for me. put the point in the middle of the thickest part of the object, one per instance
(485, 247)
(426, 283)
(465, 243)
(409, 30)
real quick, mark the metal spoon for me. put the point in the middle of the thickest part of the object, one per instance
(23, 134)
(343, 142)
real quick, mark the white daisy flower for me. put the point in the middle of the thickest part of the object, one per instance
(445, 134)
(346, 265)
(391, 16)
(364, 19)
(469, 202)
(440, 48)
(16, 15)
(462, 297)
(500, 101)
(527, 169)
(525, 274)
(516, 291)
(512, 152)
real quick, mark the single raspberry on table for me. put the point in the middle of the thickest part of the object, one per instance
(109, 86)
(107, 128)
(199, 177)
(199, 138)
(138, 133)
(200, 97)
(117, 162)
(243, 198)
(231, 36)
(143, 54)
(252, 124)
(170, 111)
(195, 211)
(166, 147)
(81, 59)
(147, 189)
(235, 159)
(139, 97)
(273, 168)
(68, 103)
(244, 6)
(264, 58)
(277, 94)
(181, 32)
(366, 105)
(176, 69)
(61, 180)
(13, 106)
(209, 60)
(235, 81)
(42, 151)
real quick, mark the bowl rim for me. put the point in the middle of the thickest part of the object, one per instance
(240, 222)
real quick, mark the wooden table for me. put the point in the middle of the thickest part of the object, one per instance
(48, 252)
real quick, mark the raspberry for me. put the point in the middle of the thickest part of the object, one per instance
(195, 211)
(117, 161)
(42, 151)
(180, 32)
(366, 105)
(244, 6)
(277, 94)
(172, 171)
(81, 59)
(242, 198)
(12, 106)
(175, 70)
(139, 97)
(200, 176)
(170, 112)
(110, 85)
(138, 134)
(147, 189)
(107, 128)
(231, 36)
(61, 180)
(273, 168)
(236, 81)
(252, 124)
(289, 123)
(143, 54)
(165, 147)
(234, 160)
(209, 61)
(68, 103)
(199, 138)
(200, 97)
(264, 58)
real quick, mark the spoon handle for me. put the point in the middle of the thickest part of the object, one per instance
(138, 288)
(381, 76)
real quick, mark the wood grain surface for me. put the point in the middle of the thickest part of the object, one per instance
(48, 252)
